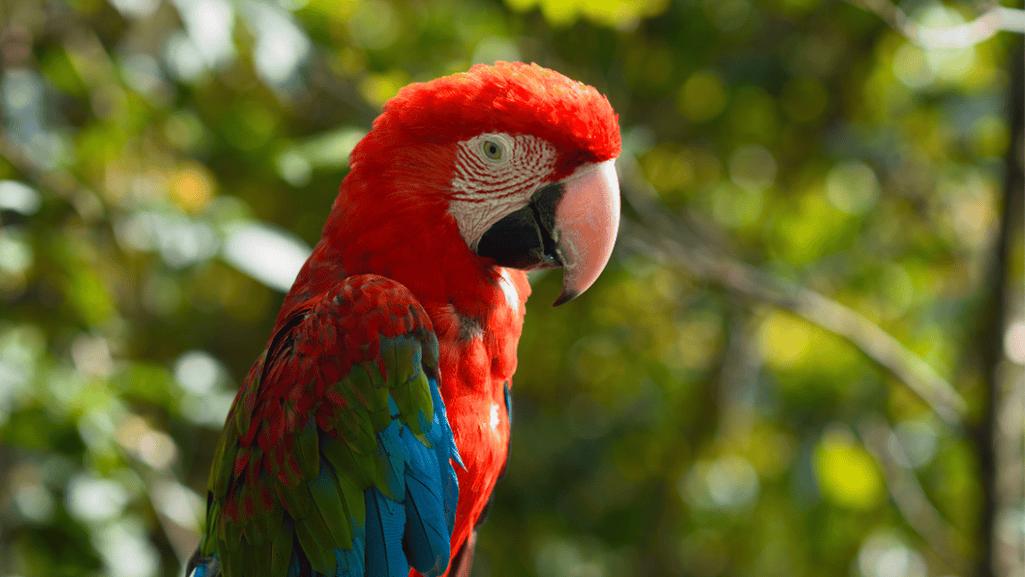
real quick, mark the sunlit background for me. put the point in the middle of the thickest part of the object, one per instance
(805, 358)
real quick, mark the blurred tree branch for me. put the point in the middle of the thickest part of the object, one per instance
(996, 19)
(988, 346)
(661, 234)
(738, 378)
(907, 493)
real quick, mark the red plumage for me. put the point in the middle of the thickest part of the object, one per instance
(508, 97)
(391, 218)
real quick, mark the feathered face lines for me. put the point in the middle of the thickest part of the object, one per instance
(495, 174)
(497, 165)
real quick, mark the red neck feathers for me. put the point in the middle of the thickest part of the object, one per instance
(396, 223)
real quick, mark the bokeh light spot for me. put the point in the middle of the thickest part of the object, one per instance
(846, 474)
(783, 340)
(1014, 342)
(884, 554)
(752, 167)
(374, 25)
(92, 498)
(198, 372)
(702, 97)
(19, 197)
(852, 187)
(192, 187)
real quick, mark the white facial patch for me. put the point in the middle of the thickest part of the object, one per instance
(495, 176)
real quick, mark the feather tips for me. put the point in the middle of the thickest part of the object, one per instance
(351, 562)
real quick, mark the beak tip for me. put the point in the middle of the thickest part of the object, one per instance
(566, 296)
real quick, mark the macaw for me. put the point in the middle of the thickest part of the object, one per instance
(368, 437)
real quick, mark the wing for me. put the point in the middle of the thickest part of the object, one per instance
(336, 458)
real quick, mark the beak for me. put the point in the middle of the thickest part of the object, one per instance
(572, 224)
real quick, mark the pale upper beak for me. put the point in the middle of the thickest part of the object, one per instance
(587, 219)
(572, 223)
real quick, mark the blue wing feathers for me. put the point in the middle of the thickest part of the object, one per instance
(426, 538)
(440, 436)
(386, 520)
(415, 532)
(351, 561)
(335, 525)
(409, 520)
(391, 449)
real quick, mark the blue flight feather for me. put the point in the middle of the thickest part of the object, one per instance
(205, 566)
(386, 521)
(352, 561)
(426, 539)
(440, 436)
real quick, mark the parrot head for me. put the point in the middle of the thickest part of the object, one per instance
(519, 157)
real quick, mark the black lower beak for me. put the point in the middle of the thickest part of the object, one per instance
(527, 239)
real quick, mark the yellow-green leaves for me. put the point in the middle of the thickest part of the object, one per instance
(846, 474)
(606, 12)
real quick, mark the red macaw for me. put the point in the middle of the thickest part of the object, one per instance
(368, 437)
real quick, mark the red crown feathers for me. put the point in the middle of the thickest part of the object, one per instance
(514, 98)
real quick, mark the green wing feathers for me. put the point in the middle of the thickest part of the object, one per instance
(303, 441)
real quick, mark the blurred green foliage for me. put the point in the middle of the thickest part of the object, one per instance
(163, 163)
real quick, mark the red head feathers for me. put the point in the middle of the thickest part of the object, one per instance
(514, 98)
(508, 165)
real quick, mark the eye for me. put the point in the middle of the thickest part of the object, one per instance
(492, 149)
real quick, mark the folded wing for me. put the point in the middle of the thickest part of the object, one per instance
(337, 457)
